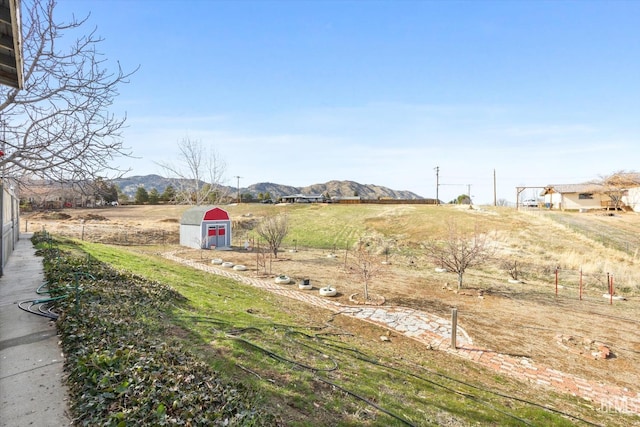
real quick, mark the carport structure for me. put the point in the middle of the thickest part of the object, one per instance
(205, 227)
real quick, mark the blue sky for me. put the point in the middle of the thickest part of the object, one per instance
(381, 92)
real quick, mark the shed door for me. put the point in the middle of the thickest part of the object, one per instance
(216, 235)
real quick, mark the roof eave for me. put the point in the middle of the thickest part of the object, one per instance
(12, 64)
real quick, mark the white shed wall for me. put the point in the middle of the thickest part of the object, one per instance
(191, 236)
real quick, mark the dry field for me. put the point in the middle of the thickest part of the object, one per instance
(522, 319)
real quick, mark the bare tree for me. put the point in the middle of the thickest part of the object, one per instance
(59, 127)
(273, 230)
(459, 251)
(366, 262)
(513, 267)
(198, 175)
(617, 185)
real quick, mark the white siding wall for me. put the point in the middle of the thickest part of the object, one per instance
(191, 236)
(633, 199)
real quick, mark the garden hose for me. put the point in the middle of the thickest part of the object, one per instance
(44, 284)
(45, 306)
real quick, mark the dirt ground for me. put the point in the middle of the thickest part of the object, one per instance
(521, 319)
(122, 225)
(515, 319)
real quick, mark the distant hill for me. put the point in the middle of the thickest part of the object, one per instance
(351, 188)
(129, 185)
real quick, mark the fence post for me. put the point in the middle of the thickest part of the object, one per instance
(454, 327)
(580, 283)
(611, 290)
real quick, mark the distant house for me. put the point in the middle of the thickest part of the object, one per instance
(205, 227)
(575, 196)
(303, 198)
(591, 196)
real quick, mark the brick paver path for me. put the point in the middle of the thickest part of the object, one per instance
(435, 332)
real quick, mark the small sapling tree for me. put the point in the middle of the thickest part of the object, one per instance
(512, 267)
(459, 251)
(365, 263)
(386, 251)
(273, 229)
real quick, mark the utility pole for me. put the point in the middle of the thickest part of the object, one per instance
(469, 193)
(495, 200)
(238, 177)
(437, 168)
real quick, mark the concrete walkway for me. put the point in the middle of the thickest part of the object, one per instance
(31, 363)
(435, 332)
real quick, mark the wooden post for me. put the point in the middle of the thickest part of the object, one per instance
(611, 291)
(454, 327)
(580, 284)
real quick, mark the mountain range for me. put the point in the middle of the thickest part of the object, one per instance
(334, 188)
